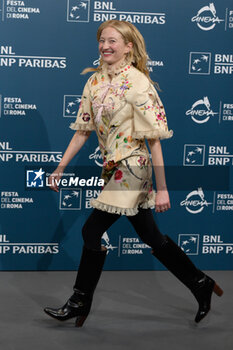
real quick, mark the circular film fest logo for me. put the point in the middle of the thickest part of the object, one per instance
(97, 156)
(206, 17)
(106, 241)
(195, 201)
(201, 111)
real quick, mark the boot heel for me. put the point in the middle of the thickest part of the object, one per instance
(218, 290)
(80, 321)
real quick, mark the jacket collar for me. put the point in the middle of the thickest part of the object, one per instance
(116, 70)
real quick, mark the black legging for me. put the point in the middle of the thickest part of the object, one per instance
(99, 221)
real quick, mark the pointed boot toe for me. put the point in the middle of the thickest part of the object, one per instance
(69, 310)
(53, 312)
(79, 304)
(203, 293)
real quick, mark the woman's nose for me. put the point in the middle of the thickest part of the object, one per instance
(105, 45)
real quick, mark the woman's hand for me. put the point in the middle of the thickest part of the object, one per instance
(54, 180)
(162, 201)
(75, 145)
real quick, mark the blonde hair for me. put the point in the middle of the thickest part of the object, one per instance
(137, 56)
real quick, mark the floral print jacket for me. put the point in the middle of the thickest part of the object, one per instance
(123, 111)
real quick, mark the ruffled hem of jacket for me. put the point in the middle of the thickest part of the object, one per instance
(121, 211)
(83, 128)
(153, 134)
(149, 204)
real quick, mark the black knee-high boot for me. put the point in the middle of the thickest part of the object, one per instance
(79, 304)
(177, 262)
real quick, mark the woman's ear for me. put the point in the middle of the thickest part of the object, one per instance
(130, 46)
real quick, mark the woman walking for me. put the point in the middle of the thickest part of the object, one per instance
(121, 104)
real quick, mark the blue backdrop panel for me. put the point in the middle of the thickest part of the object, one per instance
(44, 45)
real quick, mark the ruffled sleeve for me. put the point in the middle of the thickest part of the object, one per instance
(84, 120)
(149, 115)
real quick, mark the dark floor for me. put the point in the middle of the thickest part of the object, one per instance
(131, 310)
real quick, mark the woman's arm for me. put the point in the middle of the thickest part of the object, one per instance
(73, 148)
(162, 201)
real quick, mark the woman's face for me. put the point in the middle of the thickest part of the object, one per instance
(112, 47)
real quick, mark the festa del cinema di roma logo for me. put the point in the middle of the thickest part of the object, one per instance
(195, 202)
(97, 156)
(107, 242)
(201, 111)
(206, 18)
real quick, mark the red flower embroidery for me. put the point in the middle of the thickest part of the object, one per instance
(109, 165)
(141, 161)
(151, 188)
(86, 117)
(118, 176)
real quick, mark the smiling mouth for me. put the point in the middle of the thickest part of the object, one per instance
(107, 53)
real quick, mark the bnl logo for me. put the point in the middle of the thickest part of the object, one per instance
(199, 63)
(189, 243)
(194, 155)
(71, 105)
(78, 10)
(35, 178)
(70, 199)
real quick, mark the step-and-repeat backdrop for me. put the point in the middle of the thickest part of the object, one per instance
(44, 45)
